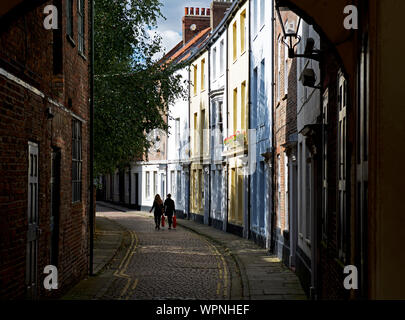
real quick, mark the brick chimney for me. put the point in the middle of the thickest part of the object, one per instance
(194, 21)
(218, 10)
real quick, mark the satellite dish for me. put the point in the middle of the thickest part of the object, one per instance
(193, 27)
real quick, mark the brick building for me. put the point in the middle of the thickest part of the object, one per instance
(353, 137)
(285, 135)
(44, 146)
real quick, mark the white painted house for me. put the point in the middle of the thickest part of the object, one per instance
(261, 71)
(218, 123)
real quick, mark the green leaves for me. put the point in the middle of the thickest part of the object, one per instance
(132, 90)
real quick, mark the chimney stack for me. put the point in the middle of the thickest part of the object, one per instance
(194, 22)
(217, 12)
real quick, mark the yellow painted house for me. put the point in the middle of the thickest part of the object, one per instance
(199, 126)
(238, 112)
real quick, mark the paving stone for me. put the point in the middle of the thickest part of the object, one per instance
(193, 261)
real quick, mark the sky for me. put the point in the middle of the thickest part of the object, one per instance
(173, 10)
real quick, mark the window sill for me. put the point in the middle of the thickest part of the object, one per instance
(70, 39)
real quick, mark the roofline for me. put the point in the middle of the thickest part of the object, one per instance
(236, 5)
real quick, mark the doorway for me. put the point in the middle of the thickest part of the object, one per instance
(31, 278)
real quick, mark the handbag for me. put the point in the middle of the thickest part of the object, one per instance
(174, 221)
(163, 220)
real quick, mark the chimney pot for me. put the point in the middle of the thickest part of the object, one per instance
(208, 11)
(186, 11)
(203, 11)
(191, 11)
(197, 11)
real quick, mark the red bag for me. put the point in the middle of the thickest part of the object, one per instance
(163, 220)
(174, 222)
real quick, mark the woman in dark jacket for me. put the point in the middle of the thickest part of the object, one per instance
(158, 206)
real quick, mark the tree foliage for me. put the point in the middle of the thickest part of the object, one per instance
(132, 89)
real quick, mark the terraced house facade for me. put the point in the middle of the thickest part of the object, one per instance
(291, 138)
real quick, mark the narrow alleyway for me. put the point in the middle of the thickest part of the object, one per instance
(191, 262)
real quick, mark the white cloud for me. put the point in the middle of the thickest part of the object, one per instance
(170, 38)
(170, 29)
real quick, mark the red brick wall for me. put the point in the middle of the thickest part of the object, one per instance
(202, 23)
(26, 52)
(285, 119)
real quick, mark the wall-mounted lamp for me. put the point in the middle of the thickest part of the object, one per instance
(308, 78)
(291, 39)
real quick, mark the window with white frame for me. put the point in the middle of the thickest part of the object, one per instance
(172, 183)
(214, 63)
(155, 183)
(256, 93)
(195, 184)
(147, 184)
(178, 194)
(177, 133)
(195, 79)
(243, 34)
(221, 58)
(203, 78)
(263, 96)
(235, 41)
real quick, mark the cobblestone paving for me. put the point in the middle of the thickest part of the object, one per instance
(165, 264)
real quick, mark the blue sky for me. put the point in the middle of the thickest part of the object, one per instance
(173, 10)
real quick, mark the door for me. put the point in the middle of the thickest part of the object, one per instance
(32, 215)
(55, 202)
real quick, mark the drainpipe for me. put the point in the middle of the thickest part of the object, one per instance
(167, 155)
(91, 207)
(272, 240)
(189, 143)
(249, 112)
(227, 123)
(209, 134)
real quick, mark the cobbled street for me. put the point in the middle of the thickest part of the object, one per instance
(177, 264)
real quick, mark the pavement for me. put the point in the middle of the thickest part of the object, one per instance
(133, 261)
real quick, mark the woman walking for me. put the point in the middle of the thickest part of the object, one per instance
(158, 206)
